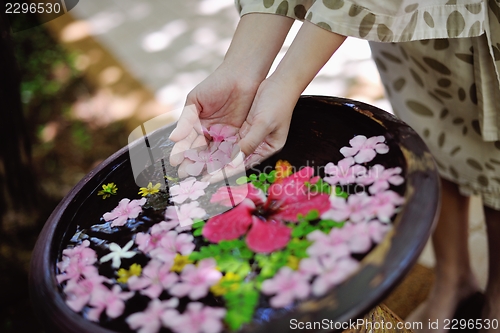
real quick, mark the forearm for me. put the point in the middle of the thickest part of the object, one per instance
(310, 50)
(256, 42)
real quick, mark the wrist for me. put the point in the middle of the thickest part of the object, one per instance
(256, 42)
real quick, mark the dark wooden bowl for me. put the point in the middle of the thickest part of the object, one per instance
(320, 127)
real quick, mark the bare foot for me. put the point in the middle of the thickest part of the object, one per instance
(441, 305)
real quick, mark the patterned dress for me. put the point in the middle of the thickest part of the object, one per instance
(439, 61)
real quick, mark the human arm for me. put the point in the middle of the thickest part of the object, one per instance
(265, 130)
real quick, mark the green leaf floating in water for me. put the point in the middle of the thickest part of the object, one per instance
(241, 305)
(320, 187)
(197, 227)
(231, 256)
(340, 193)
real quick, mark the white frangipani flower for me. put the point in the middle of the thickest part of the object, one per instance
(117, 253)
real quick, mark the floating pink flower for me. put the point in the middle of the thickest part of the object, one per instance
(334, 272)
(358, 237)
(310, 266)
(384, 204)
(334, 244)
(288, 285)
(149, 321)
(381, 178)
(196, 319)
(378, 230)
(156, 277)
(356, 208)
(172, 243)
(125, 210)
(189, 188)
(79, 292)
(212, 158)
(263, 220)
(227, 150)
(220, 132)
(197, 280)
(76, 261)
(345, 172)
(150, 241)
(113, 301)
(363, 149)
(184, 215)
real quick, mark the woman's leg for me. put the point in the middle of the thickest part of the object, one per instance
(491, 309)
(454, 278)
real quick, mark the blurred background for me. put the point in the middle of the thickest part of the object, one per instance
(89, 77)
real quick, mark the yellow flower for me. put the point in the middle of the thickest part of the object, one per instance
(283, 169)
(144, 191)
(293, 262)
(180, 262)
(108, 190)
(229, 282)
(124, 275)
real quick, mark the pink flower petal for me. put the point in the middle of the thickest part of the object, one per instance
(230, 225)
(223, 195)
(297, 205)
(266, 237)
(365, 155)
(195, 169)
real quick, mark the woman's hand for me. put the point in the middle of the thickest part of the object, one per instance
(265, 130)
(223, 98)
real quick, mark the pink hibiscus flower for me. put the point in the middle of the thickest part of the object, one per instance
(149, 320)
(125, 210)
(345, 172)
(197, 280)
(262, 221)
(365, 150)
(155, 277)
(183, 215)
(113, 301)
(288, 285)
(172, 243)
(196, 319)
(381, 178)
(189, 188)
